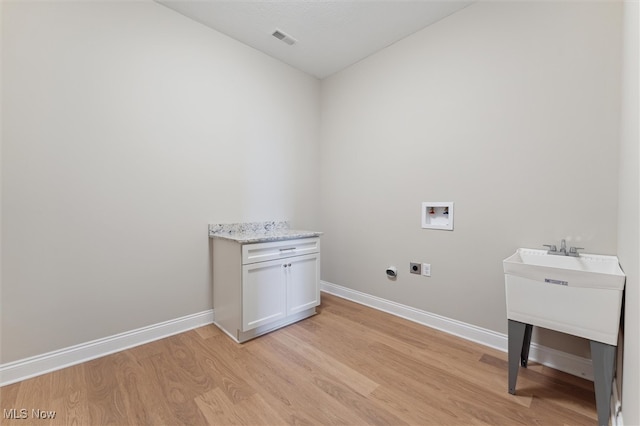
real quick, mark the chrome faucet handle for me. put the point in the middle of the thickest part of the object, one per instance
(552, 247)
(573, 251)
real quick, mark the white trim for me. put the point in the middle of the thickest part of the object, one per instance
(40, 364)
(616, 406)
(572, 364)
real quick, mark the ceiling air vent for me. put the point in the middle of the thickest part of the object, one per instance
(284, 37)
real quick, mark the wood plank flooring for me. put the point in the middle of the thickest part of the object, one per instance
(349, 365)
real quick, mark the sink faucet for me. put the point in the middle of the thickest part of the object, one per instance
(573, 251)
(563, 247)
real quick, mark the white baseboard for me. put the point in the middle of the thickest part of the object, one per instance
(40, 364)
(572, 364)
(34, 366)
(616, 406)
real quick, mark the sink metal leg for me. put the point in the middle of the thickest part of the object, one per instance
(603, 357)
(526, 344)
(519, 343)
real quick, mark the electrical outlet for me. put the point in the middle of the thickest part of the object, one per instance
(426, 269)
(415, 268)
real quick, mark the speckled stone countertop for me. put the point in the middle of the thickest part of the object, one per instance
(258, 232)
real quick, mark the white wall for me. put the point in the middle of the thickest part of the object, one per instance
(510, 110)
(629, 212)
(127, 128)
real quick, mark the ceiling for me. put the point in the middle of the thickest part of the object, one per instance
(329, 35)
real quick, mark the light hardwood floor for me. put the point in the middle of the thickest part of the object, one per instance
(349, 365)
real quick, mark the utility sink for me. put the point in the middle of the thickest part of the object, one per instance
(575, 295)
(579, 295)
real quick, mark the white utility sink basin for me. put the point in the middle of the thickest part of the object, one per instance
(575, 295)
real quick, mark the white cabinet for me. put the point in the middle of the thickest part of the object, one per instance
(263, 286)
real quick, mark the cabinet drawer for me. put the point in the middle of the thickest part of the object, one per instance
(261, 252)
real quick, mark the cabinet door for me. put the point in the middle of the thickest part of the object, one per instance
(264, 293)
(303, 279)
